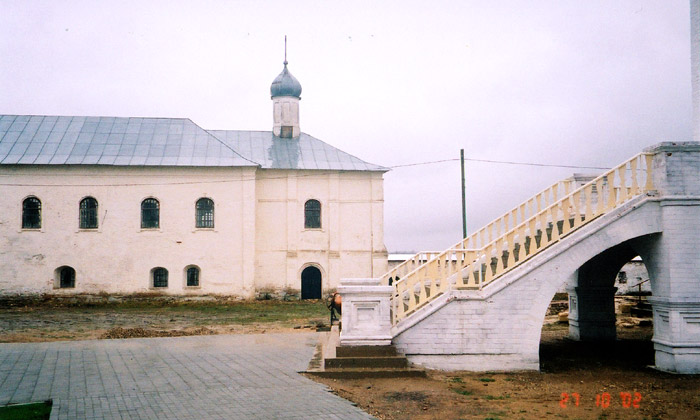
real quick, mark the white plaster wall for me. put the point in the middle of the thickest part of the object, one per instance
(350, 242)
(259, 239)
(119, 256)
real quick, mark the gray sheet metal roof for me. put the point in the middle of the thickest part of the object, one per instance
(52, 140)
(304, 152)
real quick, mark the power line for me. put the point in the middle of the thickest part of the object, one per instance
(504, 162)
(319, 173)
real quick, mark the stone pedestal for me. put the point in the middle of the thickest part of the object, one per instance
(677, 334)
(592, 313)
(366, 319)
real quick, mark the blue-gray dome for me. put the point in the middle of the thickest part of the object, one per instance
(285, 85)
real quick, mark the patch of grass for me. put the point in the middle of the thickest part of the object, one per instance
(33, 411)
(487, 380)
(406, 396)
(464, 392)
(494, 397)
(455, 379)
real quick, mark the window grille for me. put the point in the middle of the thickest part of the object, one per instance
(204, 213)
(67, 278)
(160, 277)
(150, 214)
(312, 214)
(88, 213)
(31, 213)
(192, 277)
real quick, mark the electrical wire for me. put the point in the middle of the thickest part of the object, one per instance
(314, 173)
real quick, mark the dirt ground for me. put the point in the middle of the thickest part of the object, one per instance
(576, 381)
(52, 319)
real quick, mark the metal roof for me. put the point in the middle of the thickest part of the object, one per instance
(54, 140)
(303, 152)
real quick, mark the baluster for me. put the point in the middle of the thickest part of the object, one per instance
(511, 249)
(488, 275)
(533, 236)
(429, 289)
(499, 256)
(566, 207)
(522, 235)
(555, 194)
(599, 197)
(544, 238)
(554, 215)
(623, 184)
(635, 183)
(588, 192)
(612, 198)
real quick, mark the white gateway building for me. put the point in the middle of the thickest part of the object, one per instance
(132, 205)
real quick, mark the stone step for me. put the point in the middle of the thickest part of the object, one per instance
(351, 362)
(361, 373)
(366, 362)
(365, 351)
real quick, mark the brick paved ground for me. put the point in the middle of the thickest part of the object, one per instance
(248, 376)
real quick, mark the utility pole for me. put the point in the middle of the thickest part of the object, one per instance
(464, 205)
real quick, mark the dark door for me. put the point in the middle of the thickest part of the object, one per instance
(311, 283)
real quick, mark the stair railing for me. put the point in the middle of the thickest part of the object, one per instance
(400, 271)
(519, 242)
(486, 234)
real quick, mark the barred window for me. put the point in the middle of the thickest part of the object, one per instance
(160, 277)
(150, 214)
(192, 277)
(66, 277)
(204, 213)
(312, 214)
(88, 213)
(31, 213)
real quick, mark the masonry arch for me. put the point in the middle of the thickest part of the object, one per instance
(638, 223)
(64, 277)
(311, 278)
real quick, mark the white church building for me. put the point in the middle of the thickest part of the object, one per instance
(134, 205)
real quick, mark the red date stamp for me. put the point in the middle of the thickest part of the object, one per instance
(603, 400)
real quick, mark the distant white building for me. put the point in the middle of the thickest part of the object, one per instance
(127, 205)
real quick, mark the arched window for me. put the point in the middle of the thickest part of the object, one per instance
(31, 213)
(150, 214)
(66, 277)
(192, 277)
(312, 214)
(88, 213)
(160, 277)
(204, 213)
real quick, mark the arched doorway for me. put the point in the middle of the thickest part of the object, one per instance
(311, 283)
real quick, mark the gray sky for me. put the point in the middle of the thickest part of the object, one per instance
(569, 82)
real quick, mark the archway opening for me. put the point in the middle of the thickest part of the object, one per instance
(311, 283)
(65, 277)
(601, 317)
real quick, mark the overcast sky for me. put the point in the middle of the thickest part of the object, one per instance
(570, 82)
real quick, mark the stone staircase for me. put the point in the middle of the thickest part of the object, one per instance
(515, 238)
(352, 362)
